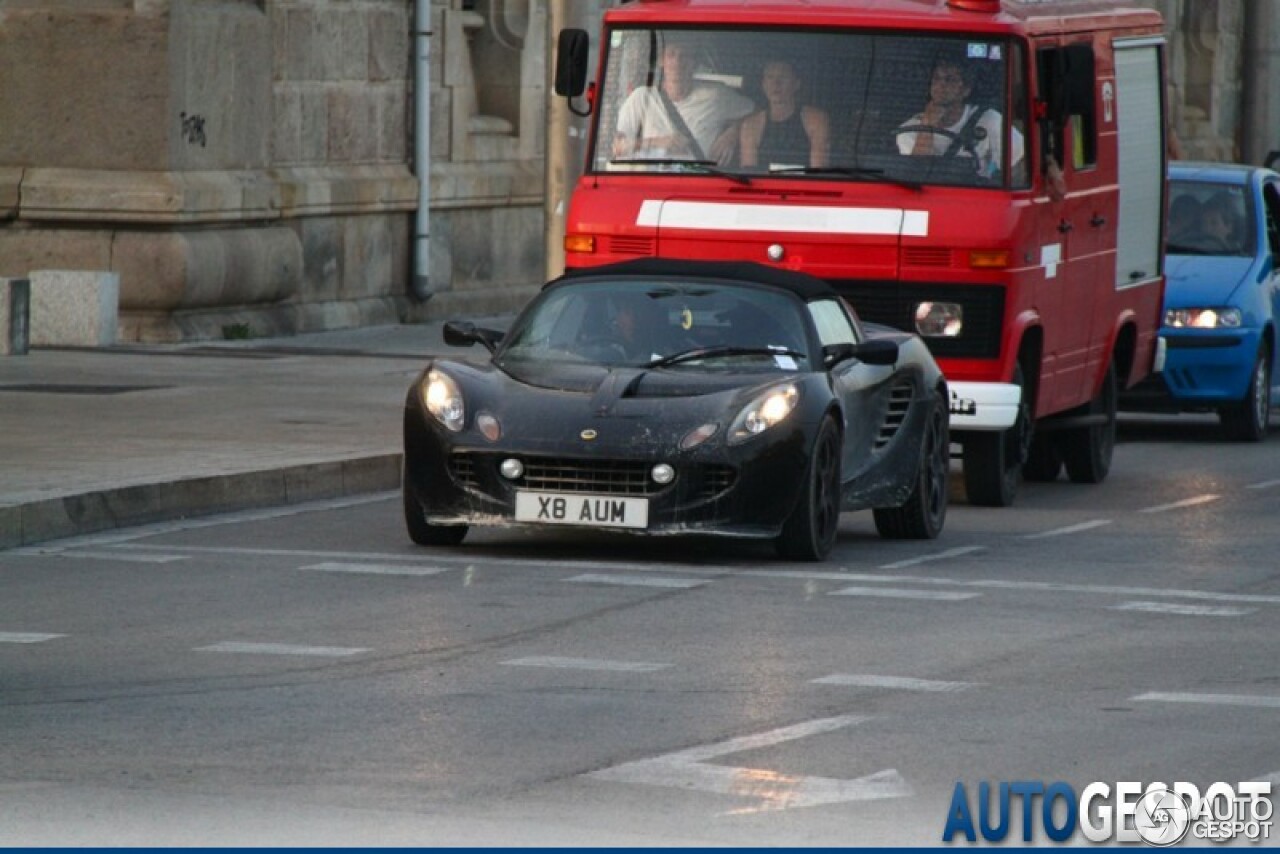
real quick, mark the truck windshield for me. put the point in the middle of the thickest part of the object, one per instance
(906, 108)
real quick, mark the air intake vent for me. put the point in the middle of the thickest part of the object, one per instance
(926, 256)
(895, 414)
(631, 245)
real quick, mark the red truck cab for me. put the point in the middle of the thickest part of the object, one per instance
(988, 174)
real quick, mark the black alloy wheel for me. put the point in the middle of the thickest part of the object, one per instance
(1087, 451)
(923, 514)
(420, 530)
(810, 531)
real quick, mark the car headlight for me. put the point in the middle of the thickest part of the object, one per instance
(765, 411)
(443, 399)
(1203, 318)
(939, 319)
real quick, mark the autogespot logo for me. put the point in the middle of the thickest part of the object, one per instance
(1157, 814)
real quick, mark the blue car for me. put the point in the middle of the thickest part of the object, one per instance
(1222, 297)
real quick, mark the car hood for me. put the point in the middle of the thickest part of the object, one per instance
(545, 406)
(1202, 280)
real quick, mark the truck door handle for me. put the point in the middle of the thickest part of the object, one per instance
(1065, 226)
(1098, 221)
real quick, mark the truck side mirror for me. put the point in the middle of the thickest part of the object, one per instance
(571, 62)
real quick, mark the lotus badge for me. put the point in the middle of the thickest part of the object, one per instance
(588, 435)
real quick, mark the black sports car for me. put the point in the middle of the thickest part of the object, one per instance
(673, 397)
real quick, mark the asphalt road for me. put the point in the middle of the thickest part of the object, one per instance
(307, 676)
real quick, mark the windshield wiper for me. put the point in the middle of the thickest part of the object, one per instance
(705, 167)
(714, 352)
(849, 172)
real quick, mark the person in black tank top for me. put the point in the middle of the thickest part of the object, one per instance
(785, 133)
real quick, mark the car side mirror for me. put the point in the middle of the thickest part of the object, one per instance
(464, 333)
(875, 351)
(571, 62)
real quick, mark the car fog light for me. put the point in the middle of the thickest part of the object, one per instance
(489, 426)
(696, 437)
(939, 319)
(663, 474)
(512, 469)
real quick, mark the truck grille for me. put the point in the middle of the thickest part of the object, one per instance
(893, 304)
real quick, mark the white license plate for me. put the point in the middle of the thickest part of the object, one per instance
(595, 511)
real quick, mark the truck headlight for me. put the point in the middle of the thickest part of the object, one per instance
(939, 319)
(443, 399)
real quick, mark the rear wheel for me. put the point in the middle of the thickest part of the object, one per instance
(810, 530)
(922, 515)
(421, 531)
(1247, 419)
(1087, 450)
(993, 460)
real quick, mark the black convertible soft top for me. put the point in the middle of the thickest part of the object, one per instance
(802, 284)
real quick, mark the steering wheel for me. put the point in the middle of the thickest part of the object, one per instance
(952, 150)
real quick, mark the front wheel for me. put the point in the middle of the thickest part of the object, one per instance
(421, 531)
(1087, 451)
(1247, 419)
(810, 531)
(922, 515)
(993, 460)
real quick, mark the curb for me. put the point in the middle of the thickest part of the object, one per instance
(141, 504)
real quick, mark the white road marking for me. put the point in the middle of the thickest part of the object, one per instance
(282, 649)
(690, 769)
(130, 557)
(159, 528)
(27, 637)
(949, 553)
(1212, 699)
(903, 683)
(637, 580)
(375, 568)
(904, 593)
(1178, 505)
(1183, 610)
(1070, 529)
(1266, 484)
(1008, 584)
(586, 664)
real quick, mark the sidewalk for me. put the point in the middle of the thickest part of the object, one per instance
(98, 439)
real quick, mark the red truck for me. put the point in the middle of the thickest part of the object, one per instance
(987, 173)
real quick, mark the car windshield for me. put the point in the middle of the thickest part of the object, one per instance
(661, 324)
(1207, 218)
(826, 105)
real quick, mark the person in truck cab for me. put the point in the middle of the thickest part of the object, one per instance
(785, 133)
(950, 125)
(681, 116)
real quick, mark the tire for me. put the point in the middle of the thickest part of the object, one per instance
(1087, 450)
(993, 460)
(923, 514)
(420, 530)
(810, 530)
(1247, 419)
(1044, 460)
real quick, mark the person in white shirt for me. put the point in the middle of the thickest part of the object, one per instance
(975, 131)
(681, 117)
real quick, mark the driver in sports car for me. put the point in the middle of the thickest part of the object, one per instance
(950, 125)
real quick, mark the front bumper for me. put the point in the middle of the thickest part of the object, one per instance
(747, 490)
(1209, 367)
(984, 406)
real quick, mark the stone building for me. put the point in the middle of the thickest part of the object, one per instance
(249, 164)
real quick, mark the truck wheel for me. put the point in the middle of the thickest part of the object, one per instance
(1044, 460)
(922, 515)
(1087, 450)
(421, 531)
(1247, 419)
(993, 460)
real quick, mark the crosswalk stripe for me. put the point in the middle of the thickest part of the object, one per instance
(27, 637)
(1183, 610)
(638, 581)
(1212, 699)
(904, 683)
(281, 649)
(374, 568)
(585, 664)
(903, 593)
